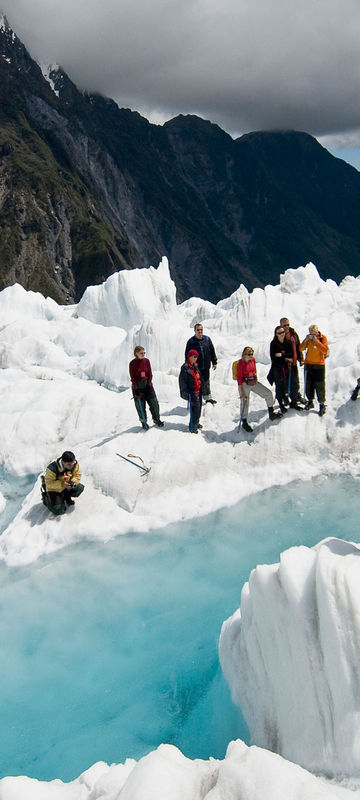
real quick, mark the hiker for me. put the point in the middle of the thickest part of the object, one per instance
(281, 354)
(206, 356)
(142, 388)
(191, 388)
(248, 382)
(316, 346)
(356, 391)
(62, 483)
(293, 380)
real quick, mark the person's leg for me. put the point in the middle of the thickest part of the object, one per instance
(205, 374)
(195, 410)
(151, 399)
(140, 408)
(75, 491)
(319, 383)
(56, 503)
(263, 392)
(244, 403)
(309, 386)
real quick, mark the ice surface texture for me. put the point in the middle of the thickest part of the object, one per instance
(59, 364)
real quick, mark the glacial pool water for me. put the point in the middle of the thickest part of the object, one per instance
(109, 650)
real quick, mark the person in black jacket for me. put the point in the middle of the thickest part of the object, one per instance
(191, 386)
(298, 356)
(206, 356)
(281, 354)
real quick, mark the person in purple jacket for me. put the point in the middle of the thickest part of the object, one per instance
(142, 388)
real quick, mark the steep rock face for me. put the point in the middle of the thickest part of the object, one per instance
(87, 189)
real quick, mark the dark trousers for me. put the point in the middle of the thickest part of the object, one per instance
(315, 382)
(147, 396)
(294, 384)
(195, 403)
(281, 379)
(205, 374)
(57, 500)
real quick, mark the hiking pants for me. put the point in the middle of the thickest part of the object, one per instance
(205, 374)
(294, 384)
(57, 500)
(147, 396)
(259, 389)
(195, 403)
(315, 382)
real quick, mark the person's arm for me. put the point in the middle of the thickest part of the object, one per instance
(323, 343)
(52, 483)
(133, 375)
(213, 355)
(76, 474)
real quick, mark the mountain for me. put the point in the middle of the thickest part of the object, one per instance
(87, 188)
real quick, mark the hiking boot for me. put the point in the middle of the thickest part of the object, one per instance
(194, 431)
(246, 426)
(286, 401)
(200, 426)
(283, 409)
(159, 423)
(301, 400)
(355, 393)
(322, 409)
(296, 406)
(69, 501)
(273, 414)
(309, 405)
(145, 426)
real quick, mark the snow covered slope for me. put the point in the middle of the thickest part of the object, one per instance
(64, 385)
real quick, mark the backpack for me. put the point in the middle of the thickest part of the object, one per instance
(234, 369)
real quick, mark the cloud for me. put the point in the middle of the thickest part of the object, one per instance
(246, 64)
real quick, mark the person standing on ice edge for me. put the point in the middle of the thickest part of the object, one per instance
(316, 346)
(191, 384)
(248, 382)
(206, 356)
(293, 381)
(62, 483)
(281, 354)
(142, 388)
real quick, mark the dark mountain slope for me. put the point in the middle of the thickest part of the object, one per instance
(87, 188)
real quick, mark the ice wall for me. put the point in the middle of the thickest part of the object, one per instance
(291, 655)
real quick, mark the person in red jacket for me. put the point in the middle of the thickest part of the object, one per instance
(142, 388)
(248, 382)
(191, 386)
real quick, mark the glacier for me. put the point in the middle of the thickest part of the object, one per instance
(64, 381)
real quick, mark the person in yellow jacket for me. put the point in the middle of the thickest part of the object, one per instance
(316, 346)
(62, 483)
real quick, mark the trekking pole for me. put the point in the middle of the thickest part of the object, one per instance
(144, 468)
(289, 382)
(242, 407)
(142, 414)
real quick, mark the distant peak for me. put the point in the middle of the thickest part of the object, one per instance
(4, 25)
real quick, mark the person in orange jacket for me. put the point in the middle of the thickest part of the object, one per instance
(316, 346)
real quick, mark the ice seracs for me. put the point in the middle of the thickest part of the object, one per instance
(291, 655)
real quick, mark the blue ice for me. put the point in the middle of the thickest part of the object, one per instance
(108, 650)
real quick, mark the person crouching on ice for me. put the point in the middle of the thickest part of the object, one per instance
(142, 388)
(191, 387)
(62, 482)
(248, 382)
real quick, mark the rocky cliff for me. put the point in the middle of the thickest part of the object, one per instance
(87, 189)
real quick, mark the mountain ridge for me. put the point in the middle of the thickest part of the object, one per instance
(87, 188)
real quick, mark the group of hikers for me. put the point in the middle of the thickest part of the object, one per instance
(61, 482)
(286, 352)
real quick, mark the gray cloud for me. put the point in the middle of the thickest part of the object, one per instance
(245, 64)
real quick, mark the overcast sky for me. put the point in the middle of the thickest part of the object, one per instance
(245, 64)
